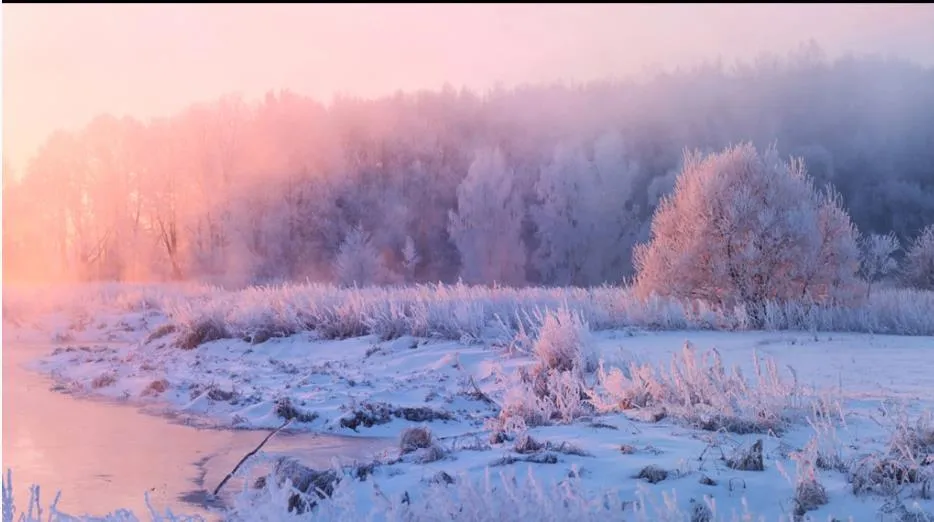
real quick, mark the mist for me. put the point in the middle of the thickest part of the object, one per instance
(127, 158)
(64, 65)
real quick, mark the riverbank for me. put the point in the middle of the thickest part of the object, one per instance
(104, 454)
(657, 417)
(364, 387)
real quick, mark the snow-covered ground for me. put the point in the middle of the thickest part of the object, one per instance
(658, 425)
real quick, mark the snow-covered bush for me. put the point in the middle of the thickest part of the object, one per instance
(747, 228)
(810, 493)
(918, 270)
(199, 326)
(564, 342)
(538, 397)
(523, 408)
(699, 391)
(552, 388)
(904, 463)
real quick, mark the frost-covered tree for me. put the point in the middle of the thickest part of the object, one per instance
(564, 216)
(232, 191)
(410, 258)
(487, 226)
(358, 262)
(584, 218)
(918, 269)
(745, 228)
(661, 186)
(617, 223)
(833, 275)
(877, 261)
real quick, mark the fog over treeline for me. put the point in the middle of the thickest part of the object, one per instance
(549, 184)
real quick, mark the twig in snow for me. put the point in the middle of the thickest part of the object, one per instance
(482, 396)
(474, 433)
(248, 455)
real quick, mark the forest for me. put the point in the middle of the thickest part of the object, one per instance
(534, 185)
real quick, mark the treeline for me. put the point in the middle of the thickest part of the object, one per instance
(548, 184)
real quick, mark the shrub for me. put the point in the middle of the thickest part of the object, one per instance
(906, 460)
(810, 494)
(155, 388)
(103, 380)
(203, 331)
(415, 438)
(747, 459)
(563, 343)
(653, 474)
(699, 391)
(197, 325)
(523, 408)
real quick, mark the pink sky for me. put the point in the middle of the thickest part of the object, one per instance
(63, 64)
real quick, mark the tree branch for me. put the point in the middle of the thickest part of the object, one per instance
(248, 455)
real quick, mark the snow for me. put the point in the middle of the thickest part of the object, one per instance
(873, 380)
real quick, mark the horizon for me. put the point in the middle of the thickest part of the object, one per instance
(148, 76)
